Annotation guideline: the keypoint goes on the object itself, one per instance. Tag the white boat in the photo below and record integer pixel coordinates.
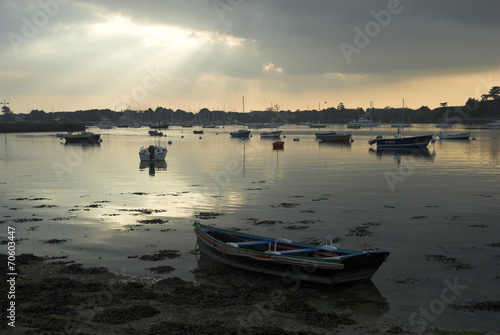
(402, 124)
(317, 125)
(153, 153)
(104, 126)
(271, 134)
(494, 124)
(460, 136)
(361, 122)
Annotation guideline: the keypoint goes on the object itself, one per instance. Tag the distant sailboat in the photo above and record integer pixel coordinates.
(402, 124)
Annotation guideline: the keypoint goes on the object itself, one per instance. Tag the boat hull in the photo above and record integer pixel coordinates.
(333, 137)
(89, 139)
(240, 134)
(401, 125)
(354, 268)
(407, 142)
(271, 134)
(156, 153)
(461, 136)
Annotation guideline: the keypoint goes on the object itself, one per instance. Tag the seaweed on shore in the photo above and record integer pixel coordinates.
(207, 215)
(160, 255)
(450, 262)
(153, 221)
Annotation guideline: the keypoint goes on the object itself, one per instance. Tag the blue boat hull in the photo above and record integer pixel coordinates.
(287, 264)
(240, 134)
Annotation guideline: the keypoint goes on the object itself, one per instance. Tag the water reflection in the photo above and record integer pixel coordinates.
(83, 145)
(336, 145)
(153, 166)
(361, 297)
(404, 153)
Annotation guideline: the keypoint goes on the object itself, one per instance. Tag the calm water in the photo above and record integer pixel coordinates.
(440, 202)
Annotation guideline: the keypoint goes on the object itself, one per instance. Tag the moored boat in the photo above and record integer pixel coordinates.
(155, 133)
(317, 125)
(279, 145)
(361, 122)
(401, 124)
(281, 257)
(153, 153)
(83, 137)
(400, 141)
(494, 124)
(333, 136)
(198, 131)
(271, 134)
(160, 126)
(444, 125)
(458, 136)
(242, 133)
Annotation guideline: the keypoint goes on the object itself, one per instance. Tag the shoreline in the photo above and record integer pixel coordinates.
(67, 298)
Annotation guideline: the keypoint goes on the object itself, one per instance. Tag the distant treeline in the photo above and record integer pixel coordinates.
(474, 111)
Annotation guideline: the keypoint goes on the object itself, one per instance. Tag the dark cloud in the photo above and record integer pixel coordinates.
(296, 40)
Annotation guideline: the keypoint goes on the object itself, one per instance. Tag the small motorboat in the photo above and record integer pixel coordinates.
(333, 136)
(153, 153)
(402, 141)
(241, 133)
(459, 136)
(198, 131)
(83, 137)
(281, 257)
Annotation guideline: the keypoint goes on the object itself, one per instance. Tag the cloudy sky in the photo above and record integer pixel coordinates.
(298, 54)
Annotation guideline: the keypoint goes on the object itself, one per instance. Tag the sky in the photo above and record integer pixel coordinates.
(66, 55)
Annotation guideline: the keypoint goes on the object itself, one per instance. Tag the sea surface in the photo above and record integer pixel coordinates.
(436, 210)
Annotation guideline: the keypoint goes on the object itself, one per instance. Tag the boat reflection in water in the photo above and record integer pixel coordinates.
(399, 153)
(153, 166)
(335, 144)
(361, 296)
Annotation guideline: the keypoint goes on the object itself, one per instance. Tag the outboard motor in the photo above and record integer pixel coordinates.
(151, 150)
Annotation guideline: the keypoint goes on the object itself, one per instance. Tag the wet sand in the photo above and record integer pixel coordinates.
(67, 298)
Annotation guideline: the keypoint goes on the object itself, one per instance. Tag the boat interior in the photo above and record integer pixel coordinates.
(279, 246)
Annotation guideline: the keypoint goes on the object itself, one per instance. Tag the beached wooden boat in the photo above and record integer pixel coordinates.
(282, 257)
